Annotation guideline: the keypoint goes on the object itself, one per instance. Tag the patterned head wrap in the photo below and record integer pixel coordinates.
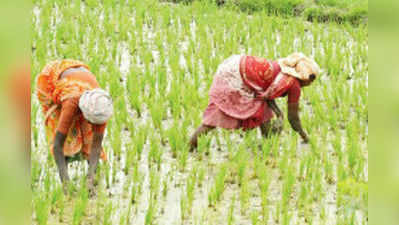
(300, 66)
(96, 106)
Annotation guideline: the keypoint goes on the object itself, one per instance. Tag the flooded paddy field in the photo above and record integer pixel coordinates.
(157, 60)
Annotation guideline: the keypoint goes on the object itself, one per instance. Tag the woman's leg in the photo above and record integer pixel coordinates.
(203, 129)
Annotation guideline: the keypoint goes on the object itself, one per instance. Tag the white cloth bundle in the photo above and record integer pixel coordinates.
(300, 66)
(96, 106)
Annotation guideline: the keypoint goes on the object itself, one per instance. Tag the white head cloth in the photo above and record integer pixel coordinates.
(96, 106)
(300, 66)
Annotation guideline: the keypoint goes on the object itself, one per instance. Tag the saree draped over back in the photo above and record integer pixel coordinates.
(51, 92)
(238, 81)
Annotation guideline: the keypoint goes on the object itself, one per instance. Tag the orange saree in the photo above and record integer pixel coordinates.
(51, 92)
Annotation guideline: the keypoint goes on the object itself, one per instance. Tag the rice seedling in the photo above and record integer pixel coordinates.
(219, 185)
(107, 214)
(150, 214)
(244, 196)
(230, 218)
(158, 60)
(254, 218)
(80, 207)
(41, 208)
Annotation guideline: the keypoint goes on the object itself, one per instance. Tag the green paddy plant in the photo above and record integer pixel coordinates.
(158, 112)
(323, 215)
(284, 164)
(165, 187)
(140, 140)
(155, 153)
(201, 175)
(150, 214)
(107, 214)
(230, 217)
(107, 171)
(155, 182)
(137, 176)
(242, 161)
(80, 206)
(55, 196)
(275, 147)
(308, 216)
(128, 214)
(302, 196)
(288, 188)
(244, 195)
(204, 145)
(34, 110)
(123, 219)
(218, 187)
(190, 188)
(286, 218)
(328, 169)
(302, 169)
(47, 181)
(183, 206)
(174, 98)
(115, 167)
(318, 192)
(266, 147)
(60, 204)
(174, 138)
(162, 82)
(131, 157)
(134, 193)
(116, 142)
(41, 207)
(255, 218)
(277, 213)
(263, 185)
(182, 158)
(127, 183)
(35, 172)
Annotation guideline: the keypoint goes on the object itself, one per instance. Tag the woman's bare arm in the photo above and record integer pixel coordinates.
(272, 104)
(293, 118)
(69, 108)
(59, 156)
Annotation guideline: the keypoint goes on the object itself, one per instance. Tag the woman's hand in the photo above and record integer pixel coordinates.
(94, 157)
(272, 104)
(293, 118)
(58, 151)
(305, 137)
(277, 126)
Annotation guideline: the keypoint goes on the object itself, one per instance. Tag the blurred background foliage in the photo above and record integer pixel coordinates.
(339, 11)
